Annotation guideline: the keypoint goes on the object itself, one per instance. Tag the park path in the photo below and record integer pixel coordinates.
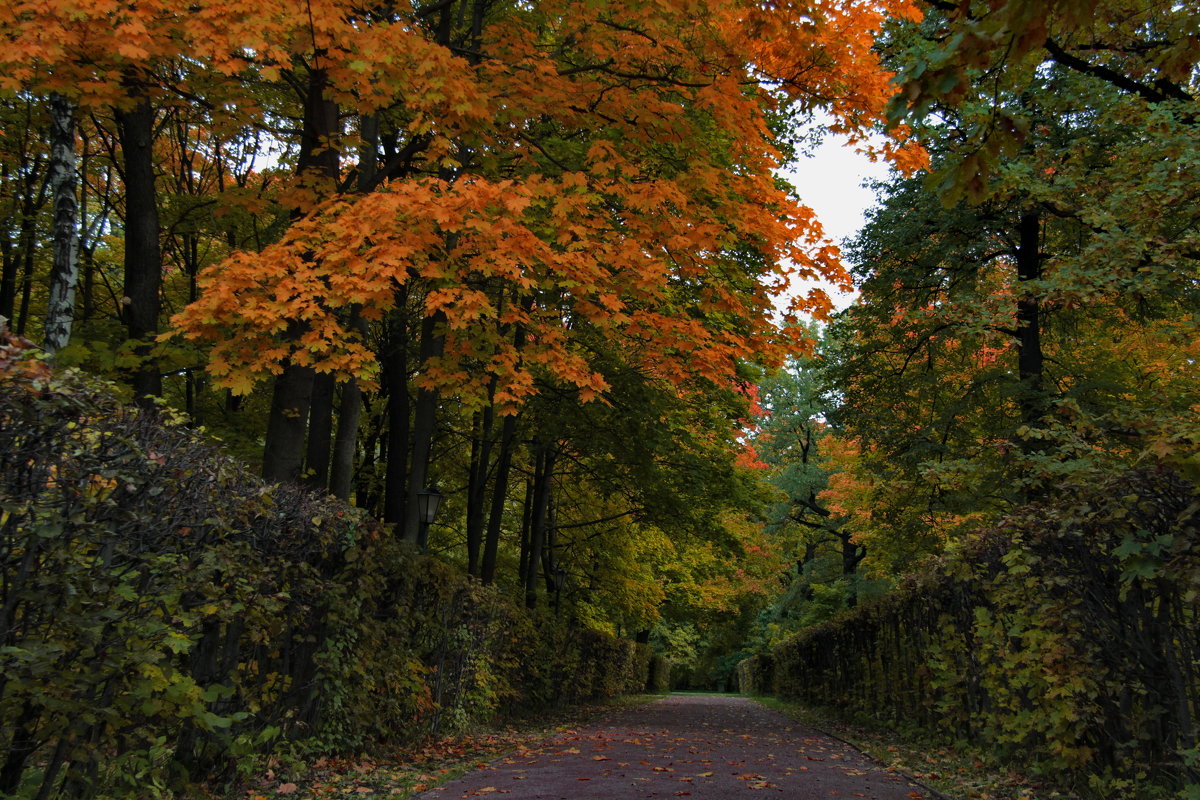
(707, 747)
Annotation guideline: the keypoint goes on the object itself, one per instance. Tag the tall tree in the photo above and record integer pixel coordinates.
(64, 274)
(143, 252)
(993, 294)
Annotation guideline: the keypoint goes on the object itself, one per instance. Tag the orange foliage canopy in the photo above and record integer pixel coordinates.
(604, 167)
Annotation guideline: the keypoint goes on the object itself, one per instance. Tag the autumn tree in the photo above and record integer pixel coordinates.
(99, 58)
(495, 241)
(1009, 305)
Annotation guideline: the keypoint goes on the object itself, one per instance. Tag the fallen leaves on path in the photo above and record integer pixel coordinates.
(404, 772)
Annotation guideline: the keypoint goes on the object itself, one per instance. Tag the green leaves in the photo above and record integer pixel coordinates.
(1034, 639)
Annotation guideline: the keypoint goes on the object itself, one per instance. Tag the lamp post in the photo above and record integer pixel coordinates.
(428, 500)
(559, 577)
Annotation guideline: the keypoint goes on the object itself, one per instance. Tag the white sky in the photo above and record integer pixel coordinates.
(829, 181)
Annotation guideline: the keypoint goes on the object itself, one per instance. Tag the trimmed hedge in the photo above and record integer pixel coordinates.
(164, 614)
(1067, 638)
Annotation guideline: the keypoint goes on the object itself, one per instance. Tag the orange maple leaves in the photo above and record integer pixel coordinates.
(607, 170)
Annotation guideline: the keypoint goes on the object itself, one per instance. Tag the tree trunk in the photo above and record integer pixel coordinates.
(341, 470)
(424, 423)
(1029, 336)
(526, 517)
(143, 257)
(320, 431)
(341, 473)
(550, 548)
(543, 471)
(481, 456)
(491, 542)
(16, 274)
(86, 236)
(28, 249)
(8, 264)
(317, 166)
(398, 407)
(283, 453)
(852, 555)
(64, 273)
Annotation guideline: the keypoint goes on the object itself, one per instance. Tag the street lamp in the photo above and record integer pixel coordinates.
(428, 500)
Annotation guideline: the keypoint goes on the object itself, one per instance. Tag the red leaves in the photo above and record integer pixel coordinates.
(16, 360)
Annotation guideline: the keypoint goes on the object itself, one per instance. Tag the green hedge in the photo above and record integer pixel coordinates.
(1067, 639)
(165, 614)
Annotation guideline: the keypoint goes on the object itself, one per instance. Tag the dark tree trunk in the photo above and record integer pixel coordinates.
(8, 263)
(481, 455)
(423, 427)
(86, 245)
(28, 249)
(491, 541)
(64, 272)
(852, 555)
(16, 258)
(526, 517)
(283, 453)
(320, 431)
(550, 547)
(368, 489)
(143, 257)
(341, 470)
(319, 164)
(341, 473)
(345, 441)
(1029, 335)
(543, 471)
(398, 407)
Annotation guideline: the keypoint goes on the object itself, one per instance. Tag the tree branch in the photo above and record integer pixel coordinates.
(1161, 91)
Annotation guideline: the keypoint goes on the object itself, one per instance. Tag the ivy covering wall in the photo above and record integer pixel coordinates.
(163, 613)
(1066, 639)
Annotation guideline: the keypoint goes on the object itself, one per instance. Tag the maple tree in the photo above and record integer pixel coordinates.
(492, 247)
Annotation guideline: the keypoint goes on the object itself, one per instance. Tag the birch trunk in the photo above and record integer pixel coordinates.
(64, 178)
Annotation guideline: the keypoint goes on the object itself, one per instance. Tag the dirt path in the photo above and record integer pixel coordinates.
(708, 747)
